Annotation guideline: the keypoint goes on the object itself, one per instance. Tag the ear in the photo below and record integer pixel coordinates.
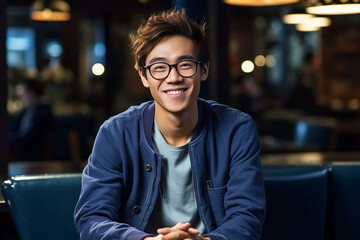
(143, 78)
(205, 71)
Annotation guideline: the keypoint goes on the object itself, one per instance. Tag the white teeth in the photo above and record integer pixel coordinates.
(175, 91)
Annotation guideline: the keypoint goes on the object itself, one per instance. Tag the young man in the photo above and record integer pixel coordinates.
(178, 167)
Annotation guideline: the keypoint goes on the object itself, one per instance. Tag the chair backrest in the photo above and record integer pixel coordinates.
(344, 202)
(296, 202)
(42, 206)
(315, 130)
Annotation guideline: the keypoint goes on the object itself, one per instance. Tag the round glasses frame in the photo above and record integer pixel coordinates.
(171, 66)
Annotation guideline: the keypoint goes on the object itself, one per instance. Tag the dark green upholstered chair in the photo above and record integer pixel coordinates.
(315, 131)
(42, 206)
(344, 202)
(296, 202)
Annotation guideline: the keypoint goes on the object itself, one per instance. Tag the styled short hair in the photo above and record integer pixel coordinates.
(168, 23)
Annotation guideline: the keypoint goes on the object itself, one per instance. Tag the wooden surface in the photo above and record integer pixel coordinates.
(311, 158)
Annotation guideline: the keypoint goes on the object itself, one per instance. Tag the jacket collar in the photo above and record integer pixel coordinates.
(149, 114)
(148, 121)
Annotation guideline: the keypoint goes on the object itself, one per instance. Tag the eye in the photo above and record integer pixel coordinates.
(159, 67)
(186, 65)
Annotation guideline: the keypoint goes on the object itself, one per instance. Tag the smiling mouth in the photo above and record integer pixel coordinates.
(173, 92)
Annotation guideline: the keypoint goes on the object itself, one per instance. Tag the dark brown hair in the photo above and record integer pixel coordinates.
(168, 23)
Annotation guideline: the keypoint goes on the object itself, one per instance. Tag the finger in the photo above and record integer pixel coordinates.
(164, 230)
(168, 230)
(176, 235)
(179, 224)
(193, 231)
(183, 226)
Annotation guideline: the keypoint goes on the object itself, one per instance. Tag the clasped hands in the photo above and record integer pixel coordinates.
(181, 231)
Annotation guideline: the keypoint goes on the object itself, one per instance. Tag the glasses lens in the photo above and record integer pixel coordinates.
(186, 68)
(159, 70)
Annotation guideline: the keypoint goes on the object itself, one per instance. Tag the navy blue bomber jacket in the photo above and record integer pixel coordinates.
(120, 183)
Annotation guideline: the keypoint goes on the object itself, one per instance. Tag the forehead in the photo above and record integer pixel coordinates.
(172, 48)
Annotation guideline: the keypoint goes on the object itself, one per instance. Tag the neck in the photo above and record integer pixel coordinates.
(177, 128)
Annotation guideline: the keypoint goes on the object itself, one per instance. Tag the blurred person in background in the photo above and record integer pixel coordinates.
(97, 100)
(29, 131)
(57, 80)
(303, 96)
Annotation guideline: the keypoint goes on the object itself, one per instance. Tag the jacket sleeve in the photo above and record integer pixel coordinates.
(244, 200)
(97, 211)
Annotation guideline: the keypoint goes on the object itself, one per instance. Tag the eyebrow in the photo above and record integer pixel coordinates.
(183, 57)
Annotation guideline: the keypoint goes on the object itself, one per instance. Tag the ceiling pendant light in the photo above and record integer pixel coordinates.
(50, 10)
(306, 28)
(259, 2)
(296, 14)
(313, 24)
(296, 18)
(333, 7)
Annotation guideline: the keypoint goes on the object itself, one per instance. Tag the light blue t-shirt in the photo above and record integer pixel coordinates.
(176, 201)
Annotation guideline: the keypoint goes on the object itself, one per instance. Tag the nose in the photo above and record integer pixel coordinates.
(174, 76)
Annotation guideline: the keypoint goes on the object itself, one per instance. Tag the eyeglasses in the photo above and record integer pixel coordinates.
(161, 70)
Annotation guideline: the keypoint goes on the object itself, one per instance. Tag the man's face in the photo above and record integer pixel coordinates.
(175, 93)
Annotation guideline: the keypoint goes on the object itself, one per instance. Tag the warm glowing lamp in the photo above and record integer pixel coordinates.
(313, 24)
(319, 22)
(333, 7)
(50, 10)
(247, 66)
(306, 28)
(296, 18)
(260, 60)
(98, 69)
(259, 2)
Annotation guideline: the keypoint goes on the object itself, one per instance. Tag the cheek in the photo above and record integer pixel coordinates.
(152, 84)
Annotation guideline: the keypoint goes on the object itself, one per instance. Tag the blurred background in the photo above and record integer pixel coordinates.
(66, 66)
(300, 82)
